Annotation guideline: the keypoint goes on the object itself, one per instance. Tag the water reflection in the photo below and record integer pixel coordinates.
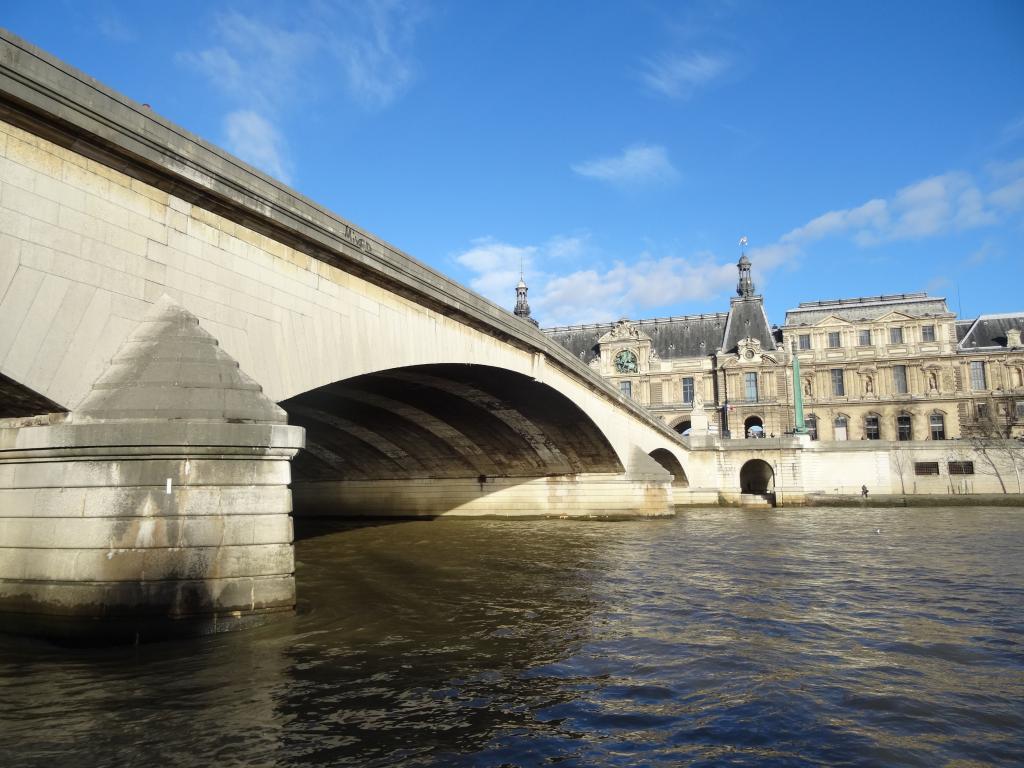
(748, 638)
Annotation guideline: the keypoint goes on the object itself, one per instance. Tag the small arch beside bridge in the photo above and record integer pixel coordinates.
(757, 476)
(668, 460)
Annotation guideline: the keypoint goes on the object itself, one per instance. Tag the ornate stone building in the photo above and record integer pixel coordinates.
(990, 372)
(898, 367)
(877, 368)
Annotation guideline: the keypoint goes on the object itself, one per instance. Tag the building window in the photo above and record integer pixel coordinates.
(1018, 410)
(804, 340)
(688, 389)
(903, 431)
(895, 335)
(864, 339)
(961, 467)
(872, 430)
(839, 427)
(927, 333)
(982, 409)
(833, 340)
(926, 467)
(938, 426)
(811, 422)
(750, 387)
(977, 375)
(899, 379)
(838, 388)
(626, 388)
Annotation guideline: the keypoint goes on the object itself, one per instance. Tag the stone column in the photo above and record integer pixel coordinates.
(160, 505)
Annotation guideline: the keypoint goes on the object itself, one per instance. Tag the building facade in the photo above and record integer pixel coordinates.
(897, 367)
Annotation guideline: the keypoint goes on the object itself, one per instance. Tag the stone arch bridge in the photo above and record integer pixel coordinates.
(170, 318)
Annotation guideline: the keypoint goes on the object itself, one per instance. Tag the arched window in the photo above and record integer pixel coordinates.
(903, 427)
(839, 427)
(811, 422)
(937, 422)
(872, 427)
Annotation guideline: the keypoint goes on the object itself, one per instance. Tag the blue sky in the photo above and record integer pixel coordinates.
(619, 150)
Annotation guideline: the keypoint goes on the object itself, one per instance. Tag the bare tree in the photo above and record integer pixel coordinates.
(991, 442)
(901, 461)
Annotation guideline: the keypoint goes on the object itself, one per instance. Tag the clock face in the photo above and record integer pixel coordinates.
(749, 354)
(625, 362)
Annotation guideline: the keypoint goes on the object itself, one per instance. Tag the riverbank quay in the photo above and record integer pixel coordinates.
(888, 500)
(914, 500)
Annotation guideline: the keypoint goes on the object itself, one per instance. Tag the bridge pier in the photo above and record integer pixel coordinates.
(160, 505)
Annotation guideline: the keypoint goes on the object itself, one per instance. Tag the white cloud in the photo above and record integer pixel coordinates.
(633, 290)
(1009, 196)
(363, 45)
(373, 48)
(678, 76)
(487, 254)
(930, 207)
(255, 63)
(254, 139)
(986, 252)
(564, 292)
(938, 205)
(114, 27)
(269, 67)
(641, 163)
(871, 214)
(496, 267)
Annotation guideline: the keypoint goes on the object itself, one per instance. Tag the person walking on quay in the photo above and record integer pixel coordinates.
(864, 491)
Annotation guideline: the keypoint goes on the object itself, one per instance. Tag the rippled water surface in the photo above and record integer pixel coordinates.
(723, 637)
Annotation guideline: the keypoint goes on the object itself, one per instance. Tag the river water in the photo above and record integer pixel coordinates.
(722, 637)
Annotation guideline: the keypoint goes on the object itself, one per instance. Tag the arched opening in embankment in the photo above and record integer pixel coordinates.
(439, 439)
(757, 476)
(668, 460)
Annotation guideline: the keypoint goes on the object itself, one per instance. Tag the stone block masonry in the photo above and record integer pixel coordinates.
(163, 499)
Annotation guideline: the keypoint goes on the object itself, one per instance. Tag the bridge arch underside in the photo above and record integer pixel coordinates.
(451, 439)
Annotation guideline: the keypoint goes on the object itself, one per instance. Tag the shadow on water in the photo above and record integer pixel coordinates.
(313, 527)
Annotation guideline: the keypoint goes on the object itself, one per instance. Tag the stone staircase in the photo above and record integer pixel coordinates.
(757, 500)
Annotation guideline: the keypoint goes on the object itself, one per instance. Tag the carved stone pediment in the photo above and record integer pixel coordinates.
(749, 351)
(624, 330)
(625, 350)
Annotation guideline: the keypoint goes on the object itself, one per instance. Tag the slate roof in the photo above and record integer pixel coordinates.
(867, 308)
(989, 331)
(747, 319)
(962, 327)
(683, 336)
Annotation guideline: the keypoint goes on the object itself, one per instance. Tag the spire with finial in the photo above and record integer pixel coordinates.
(522, 305)
(745, 286)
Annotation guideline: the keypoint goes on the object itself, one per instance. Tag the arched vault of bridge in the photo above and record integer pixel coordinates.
(444, 421)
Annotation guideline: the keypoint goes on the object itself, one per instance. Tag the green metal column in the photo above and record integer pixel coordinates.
(798, 396)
